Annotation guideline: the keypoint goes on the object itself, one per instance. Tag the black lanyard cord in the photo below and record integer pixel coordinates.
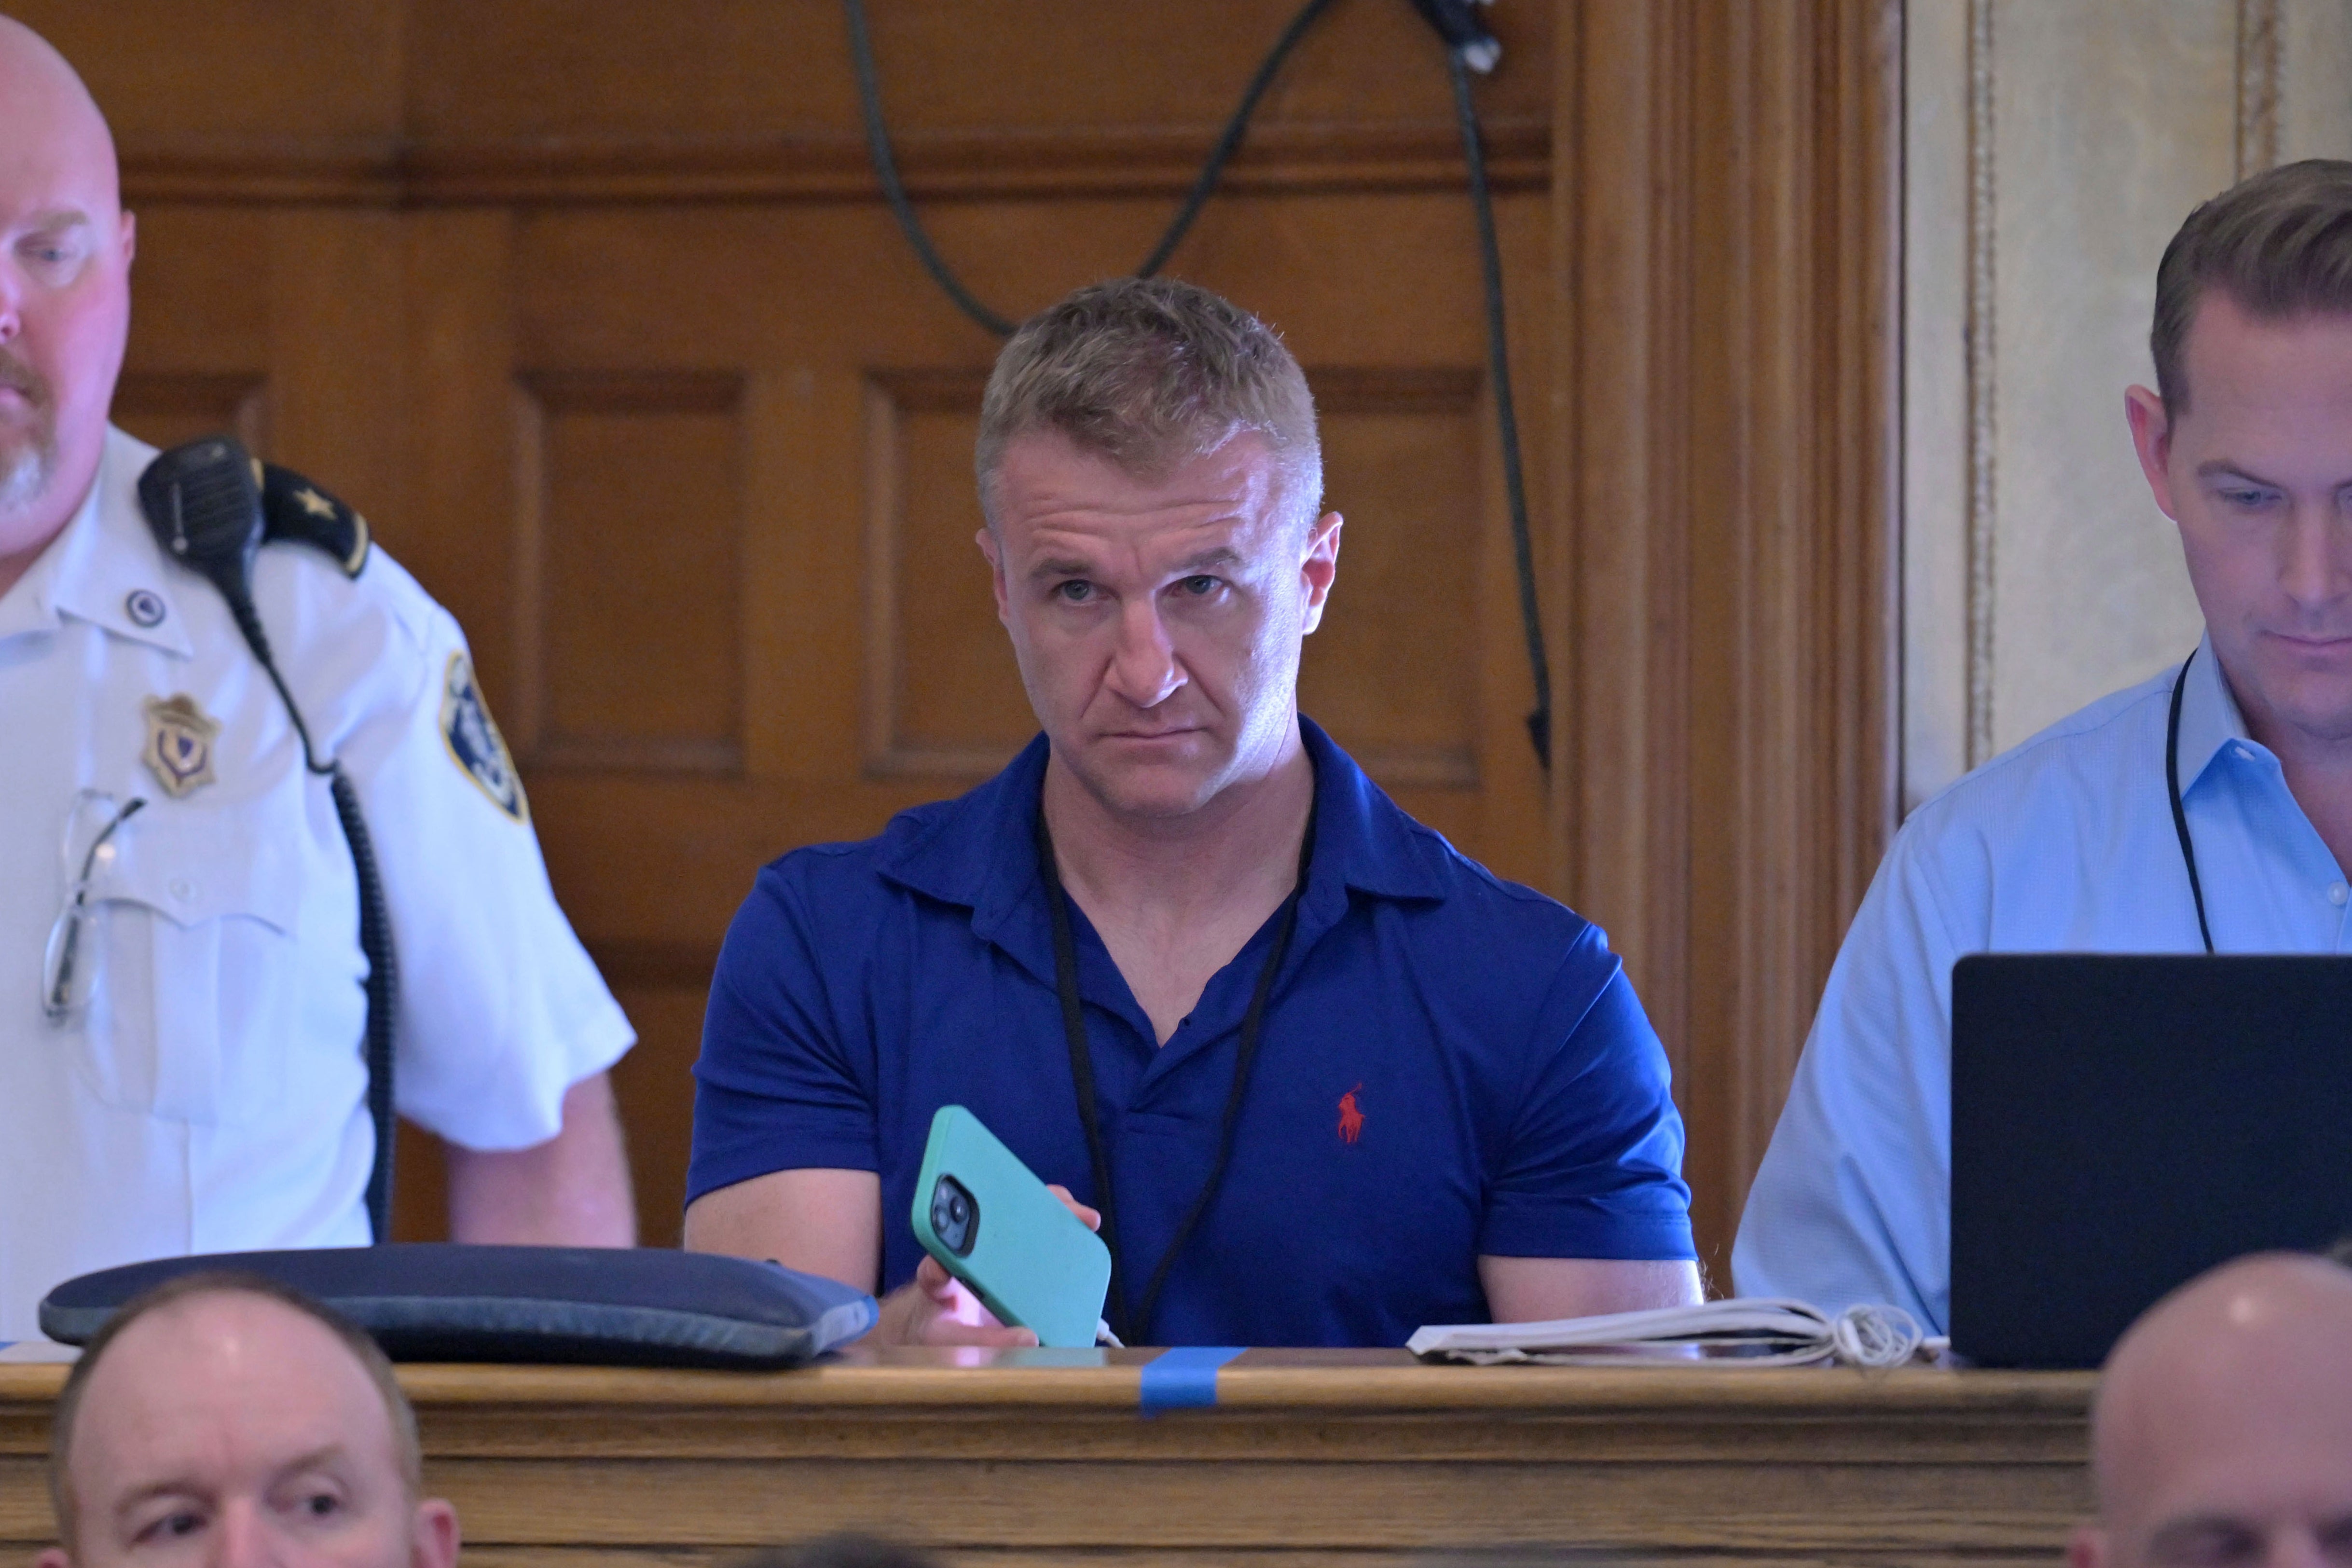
(1130, 1326)
(1082, 1065)
(2179, 813)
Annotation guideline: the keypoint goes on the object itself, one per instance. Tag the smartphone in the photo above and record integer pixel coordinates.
(992, 1225)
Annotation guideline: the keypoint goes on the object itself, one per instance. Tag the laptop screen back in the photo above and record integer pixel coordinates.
(2122, 1123)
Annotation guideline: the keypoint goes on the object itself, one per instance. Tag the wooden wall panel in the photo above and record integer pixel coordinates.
(739, 98)
(655, 1082)
(199, 355)
(230, 81)
(713, 68)
(466, 484)
(630, 526)
(942, 696)
(866, 612)
(1729, 780)
(587, 306)
(165, 408)
(1401, 463)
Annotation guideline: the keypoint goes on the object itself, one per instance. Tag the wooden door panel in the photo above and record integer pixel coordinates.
(631, 519)
(709, 70)
(942, 697)
(1398, 679)
(697, 481)
(198, 360)
(368, 263)
(655, 1085)
(716, 558)
(165, 408)
(822, 510)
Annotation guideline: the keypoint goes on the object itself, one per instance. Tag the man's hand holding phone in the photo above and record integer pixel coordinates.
(937, 1309)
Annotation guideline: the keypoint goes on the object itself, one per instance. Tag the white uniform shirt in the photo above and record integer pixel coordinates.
(2065, 845)
(212, 1095)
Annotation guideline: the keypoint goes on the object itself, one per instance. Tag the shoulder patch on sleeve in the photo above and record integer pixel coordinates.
(473, 742)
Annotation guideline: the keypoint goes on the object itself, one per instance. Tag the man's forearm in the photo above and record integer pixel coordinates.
(570, 1191)
(1540, 1289)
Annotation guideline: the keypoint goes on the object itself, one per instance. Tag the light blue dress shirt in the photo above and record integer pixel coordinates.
(2065, 845)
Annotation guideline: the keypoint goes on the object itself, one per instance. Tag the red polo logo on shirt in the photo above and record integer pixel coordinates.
(1351, 1116)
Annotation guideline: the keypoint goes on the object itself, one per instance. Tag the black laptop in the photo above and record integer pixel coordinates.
(2121, 1124)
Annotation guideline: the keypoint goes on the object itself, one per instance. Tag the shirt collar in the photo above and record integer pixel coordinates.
(1362, 839)
(2209, 719)
(982, 851)
(104, 566)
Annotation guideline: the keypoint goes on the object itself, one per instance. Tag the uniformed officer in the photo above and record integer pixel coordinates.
(181, 1002)
(2208, 808)
(1325, 1078)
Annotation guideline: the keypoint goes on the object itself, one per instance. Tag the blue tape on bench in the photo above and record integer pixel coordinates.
(1184, 1378)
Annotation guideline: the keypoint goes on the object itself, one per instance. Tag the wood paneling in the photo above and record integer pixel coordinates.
(629, 534)
(653, 1082)
(229, 78)
(1401, 454)
(166, 408)
(436, 101)
(1729, 192)
(592, 308)
(874, 673)
(1305, 1459)
(942, 697)
(528, 69)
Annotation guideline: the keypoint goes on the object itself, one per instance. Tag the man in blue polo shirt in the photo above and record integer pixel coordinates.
(1324, 1079)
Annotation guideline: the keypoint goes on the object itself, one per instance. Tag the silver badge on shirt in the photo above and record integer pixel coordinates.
(179, 749)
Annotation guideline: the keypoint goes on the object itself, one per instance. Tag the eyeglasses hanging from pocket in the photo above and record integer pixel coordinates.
(88, 851)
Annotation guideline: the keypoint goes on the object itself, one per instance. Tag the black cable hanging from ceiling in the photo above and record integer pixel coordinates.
(1507, 418)
(894, 188)
(1469, 46)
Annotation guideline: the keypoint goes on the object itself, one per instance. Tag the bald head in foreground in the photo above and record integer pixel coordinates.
(2222, 1433)
(222, 1423)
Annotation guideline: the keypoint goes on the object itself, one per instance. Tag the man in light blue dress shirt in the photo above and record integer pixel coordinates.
(2068, 842)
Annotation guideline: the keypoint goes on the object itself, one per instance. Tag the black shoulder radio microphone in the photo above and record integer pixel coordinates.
(212, 507)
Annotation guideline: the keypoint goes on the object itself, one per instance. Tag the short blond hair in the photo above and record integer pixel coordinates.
(1149, 371)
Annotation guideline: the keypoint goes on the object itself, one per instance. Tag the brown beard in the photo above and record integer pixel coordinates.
(29, 456)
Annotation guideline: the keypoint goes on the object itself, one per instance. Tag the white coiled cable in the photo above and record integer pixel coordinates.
(1875, 1337)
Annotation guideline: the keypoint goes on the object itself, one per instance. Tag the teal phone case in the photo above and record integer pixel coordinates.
(1031, 1261)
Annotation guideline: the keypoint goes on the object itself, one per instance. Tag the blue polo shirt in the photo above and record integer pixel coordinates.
(1450, 1064)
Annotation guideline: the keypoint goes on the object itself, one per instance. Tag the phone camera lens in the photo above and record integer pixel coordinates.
(955, 1217)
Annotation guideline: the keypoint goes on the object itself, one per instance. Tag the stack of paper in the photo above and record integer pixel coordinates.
(1759, 1332)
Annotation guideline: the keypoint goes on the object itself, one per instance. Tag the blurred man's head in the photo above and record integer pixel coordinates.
(65, 293)
(2222, 1433)
(1150, 469)
(2247, 438)
(222, 1422)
